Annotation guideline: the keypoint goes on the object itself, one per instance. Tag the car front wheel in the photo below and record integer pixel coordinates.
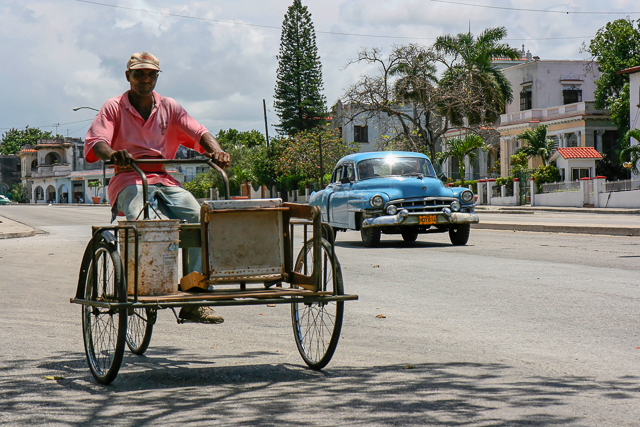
(370, 236)
(459, 234)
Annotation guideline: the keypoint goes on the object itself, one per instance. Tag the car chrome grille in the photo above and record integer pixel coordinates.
(426, 204)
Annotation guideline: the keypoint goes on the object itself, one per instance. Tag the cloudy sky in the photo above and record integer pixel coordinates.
(219, 57)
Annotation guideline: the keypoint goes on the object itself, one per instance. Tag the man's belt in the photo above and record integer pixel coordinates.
(145, 167)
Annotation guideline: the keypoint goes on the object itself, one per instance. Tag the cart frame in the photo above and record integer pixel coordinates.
(102, 286)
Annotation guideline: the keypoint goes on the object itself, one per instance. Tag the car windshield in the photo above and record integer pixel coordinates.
(395, 166)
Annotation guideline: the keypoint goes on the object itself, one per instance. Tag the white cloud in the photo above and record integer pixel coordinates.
(58, 55)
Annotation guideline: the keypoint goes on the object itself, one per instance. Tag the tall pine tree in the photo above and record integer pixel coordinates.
(299, 101)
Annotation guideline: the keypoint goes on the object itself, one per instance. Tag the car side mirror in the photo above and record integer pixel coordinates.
(345, 180)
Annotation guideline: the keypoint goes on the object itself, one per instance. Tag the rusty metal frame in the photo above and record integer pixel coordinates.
(293, 214)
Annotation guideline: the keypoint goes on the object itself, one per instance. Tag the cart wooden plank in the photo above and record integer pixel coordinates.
(230, 294)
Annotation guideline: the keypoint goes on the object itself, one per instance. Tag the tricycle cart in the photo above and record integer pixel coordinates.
(246, 250)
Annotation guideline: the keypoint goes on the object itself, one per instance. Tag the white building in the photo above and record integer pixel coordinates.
(559, 94)
(634, 102)
(574, 163)
(54, 171)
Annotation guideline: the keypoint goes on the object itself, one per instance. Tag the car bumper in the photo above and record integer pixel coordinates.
(405, 218)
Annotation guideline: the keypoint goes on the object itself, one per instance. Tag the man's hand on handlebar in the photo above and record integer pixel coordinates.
(220, 158)
(121, 158)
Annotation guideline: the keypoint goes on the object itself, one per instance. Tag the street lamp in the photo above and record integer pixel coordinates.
(90, 108)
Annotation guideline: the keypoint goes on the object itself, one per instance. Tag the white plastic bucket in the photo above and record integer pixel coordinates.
(157, 256)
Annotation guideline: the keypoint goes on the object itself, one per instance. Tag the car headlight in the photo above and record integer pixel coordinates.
(455, 206)
(392, 210)
(466, 196)
(377, 201)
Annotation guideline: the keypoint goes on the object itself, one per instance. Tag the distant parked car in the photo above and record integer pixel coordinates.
(4, 200)
(394, 192)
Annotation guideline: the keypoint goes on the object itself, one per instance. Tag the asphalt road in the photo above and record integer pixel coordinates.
(516, 328)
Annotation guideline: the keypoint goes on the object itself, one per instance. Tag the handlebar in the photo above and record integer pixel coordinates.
(143, 176)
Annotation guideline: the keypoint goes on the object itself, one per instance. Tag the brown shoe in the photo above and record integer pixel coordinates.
(199, 315)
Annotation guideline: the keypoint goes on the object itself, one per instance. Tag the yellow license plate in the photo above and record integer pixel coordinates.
(426, 219)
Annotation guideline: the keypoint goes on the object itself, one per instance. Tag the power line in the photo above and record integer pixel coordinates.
(564, 12)
(53, 125)
(175, 15)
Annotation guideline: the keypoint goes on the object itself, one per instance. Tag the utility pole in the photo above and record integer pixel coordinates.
(321, 166)
(266, 127)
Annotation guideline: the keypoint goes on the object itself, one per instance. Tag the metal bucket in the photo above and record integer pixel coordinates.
(157, 256)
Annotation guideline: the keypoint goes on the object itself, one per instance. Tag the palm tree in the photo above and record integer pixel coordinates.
(632, 152)
(461, 149)
(537, 143)
(488, 90)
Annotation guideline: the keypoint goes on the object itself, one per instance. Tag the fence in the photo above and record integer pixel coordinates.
(555, 187)
(492, 194)
(624, 185)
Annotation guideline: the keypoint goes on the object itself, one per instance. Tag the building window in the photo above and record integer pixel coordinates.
(525, 100)
(361, 133)
(572, 95)
(577, 173)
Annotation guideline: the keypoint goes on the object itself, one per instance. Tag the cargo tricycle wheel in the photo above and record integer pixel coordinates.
(316, 326)
(104, 328)
(139, 328)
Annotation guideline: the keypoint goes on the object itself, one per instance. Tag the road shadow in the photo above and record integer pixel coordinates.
(395, 244)
(169, 387)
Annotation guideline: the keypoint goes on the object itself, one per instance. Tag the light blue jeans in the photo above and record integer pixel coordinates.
(173, 202)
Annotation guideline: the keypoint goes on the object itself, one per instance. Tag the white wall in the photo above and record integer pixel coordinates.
(567, 165)
(560, 199)
(634, 110)
(620, 199)
(546, 75)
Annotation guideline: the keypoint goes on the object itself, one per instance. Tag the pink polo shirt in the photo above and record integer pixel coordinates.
(121, 126)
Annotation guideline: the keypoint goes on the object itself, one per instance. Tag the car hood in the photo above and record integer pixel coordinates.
(405, 187)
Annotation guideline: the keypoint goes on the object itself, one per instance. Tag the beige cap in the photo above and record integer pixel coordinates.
(143, 60)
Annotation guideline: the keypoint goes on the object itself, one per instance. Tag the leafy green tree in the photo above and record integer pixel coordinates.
(537, 143)
(298, 93)
(468, 58)
(14, 139)
(545, 174)
(19, 193)
(265, 162)
(199, 185)
(631, 153)
(403, 95)
(301, 157)
(242, 148)
(519, 161)
(461, 149)
(233, 138)
(615, 47)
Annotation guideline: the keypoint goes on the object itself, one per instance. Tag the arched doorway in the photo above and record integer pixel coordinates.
(51, 194)
(39, 193)
(52, 158)
(63, 194)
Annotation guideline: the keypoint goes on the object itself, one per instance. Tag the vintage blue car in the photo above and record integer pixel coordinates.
(394, 192)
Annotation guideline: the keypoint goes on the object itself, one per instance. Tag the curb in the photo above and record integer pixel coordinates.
(17, 235)
(607, 231)
(548, 209)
